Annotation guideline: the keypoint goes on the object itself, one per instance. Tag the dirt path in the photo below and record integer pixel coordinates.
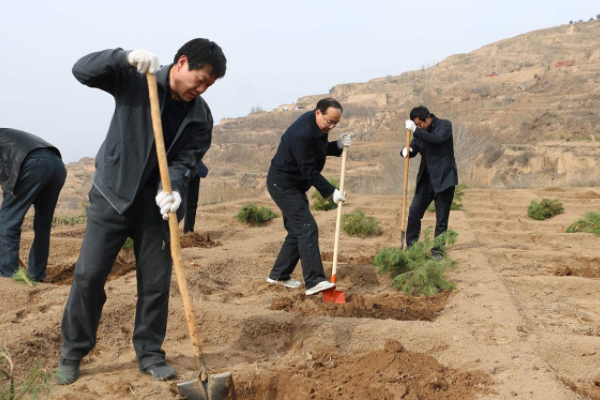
(518, 326)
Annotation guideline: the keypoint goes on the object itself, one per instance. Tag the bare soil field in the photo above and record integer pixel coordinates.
(524, 321)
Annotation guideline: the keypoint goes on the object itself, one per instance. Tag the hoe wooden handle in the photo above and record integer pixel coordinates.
(404, 204)
(173, 223)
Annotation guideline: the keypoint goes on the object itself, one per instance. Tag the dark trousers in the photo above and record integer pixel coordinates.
(105, 233)
(302, 240)
(42, 176)
(191, 205)
(423, 198)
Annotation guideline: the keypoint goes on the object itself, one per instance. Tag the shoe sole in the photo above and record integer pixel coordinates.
(319, 291)
(159, 379)
(272, 281)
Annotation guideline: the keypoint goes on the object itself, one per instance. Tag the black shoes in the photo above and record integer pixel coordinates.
(67, 371)
(160, 372)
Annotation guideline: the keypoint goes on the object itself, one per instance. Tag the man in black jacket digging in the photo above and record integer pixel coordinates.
(123, 197)
(296, 167)
(31, 173)
(437, 177)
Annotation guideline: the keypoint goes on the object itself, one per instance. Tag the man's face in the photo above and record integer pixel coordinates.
(423, 124)
(328, 120)
(186, 85)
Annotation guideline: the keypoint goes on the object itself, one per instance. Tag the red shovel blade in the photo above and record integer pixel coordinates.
(332, 295)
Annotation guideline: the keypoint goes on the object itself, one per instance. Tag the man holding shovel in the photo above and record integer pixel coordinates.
(126, 190)
(296, 167)
(438, 175)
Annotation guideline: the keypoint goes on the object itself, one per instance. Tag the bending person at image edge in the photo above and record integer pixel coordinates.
(126, 191)
(438, 175)
(31, 173)
(296, 167)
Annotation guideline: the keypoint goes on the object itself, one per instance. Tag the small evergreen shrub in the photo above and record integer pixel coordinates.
(321, 204)
(128, 243)
(22, 276)
(359, 224)
(588, 224)
(36, 384)
(545, 209)
(456, 202)
(252, 215)
(414, 270)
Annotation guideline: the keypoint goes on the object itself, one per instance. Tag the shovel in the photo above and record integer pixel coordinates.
(403, 220)
(205, 387)
(332, 295)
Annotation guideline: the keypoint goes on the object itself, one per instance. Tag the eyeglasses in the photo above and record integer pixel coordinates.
(329, 123)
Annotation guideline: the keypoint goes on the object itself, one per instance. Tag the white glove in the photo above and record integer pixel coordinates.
(338, 196)
(404, 152)
(344, 140)
(168, 202)
(144, 61)
(410, 125)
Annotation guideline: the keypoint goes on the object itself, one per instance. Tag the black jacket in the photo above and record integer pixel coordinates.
(436, 147)
(127, 149)
(15, 145)
(301, 155)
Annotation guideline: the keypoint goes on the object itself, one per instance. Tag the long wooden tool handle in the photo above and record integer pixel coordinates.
(338, 219)
(406, 163)
(173, 223)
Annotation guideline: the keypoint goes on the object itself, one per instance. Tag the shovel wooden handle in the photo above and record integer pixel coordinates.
(404, 203)
(338, 219)
(173, 223)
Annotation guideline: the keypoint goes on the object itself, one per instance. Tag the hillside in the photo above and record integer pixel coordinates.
(534, 122)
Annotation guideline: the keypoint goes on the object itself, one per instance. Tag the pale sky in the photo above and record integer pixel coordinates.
(277, 51)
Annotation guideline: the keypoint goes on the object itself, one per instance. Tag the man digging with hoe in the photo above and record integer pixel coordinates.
(437, 177)
(124, 197)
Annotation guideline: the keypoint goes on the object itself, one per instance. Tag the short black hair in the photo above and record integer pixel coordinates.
(201, 52)
(420, 112)
(324, 104)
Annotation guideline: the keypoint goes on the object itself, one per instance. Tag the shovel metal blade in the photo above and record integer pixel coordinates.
(333, 296)
(218, 387)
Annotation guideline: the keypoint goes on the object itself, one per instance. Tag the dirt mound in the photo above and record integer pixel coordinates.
(328, 256)
(388, 374)
(399, 307)
(589, 391)
(62, 274)
(585, 272)
(193, 239)
(589, 195)
(553, 189)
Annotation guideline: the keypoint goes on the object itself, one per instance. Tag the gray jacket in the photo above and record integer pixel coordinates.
(126, 151)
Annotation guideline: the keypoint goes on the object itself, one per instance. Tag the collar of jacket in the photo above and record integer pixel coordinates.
(313, 123)
(162, 76)
(434, 123)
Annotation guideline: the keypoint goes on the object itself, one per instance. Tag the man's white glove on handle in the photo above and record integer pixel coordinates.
(404, 152)
(344, 141)
(410, 125)
(338, 196)
(143, 61)
(168, 202)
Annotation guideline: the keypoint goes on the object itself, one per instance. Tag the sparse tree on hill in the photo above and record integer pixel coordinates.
(256, 109)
